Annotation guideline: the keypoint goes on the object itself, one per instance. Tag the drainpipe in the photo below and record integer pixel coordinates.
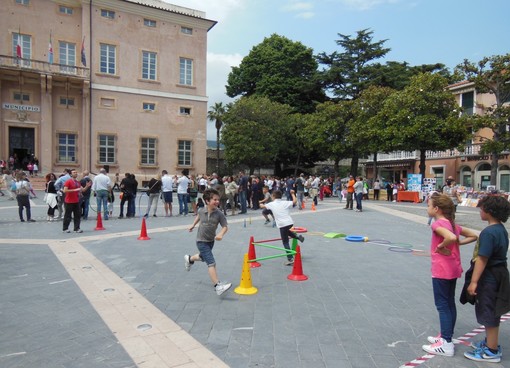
(90, 86)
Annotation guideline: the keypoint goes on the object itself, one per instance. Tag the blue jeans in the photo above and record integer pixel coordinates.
(183, 203)
(358, 196)
(242, 200)
(131, 208)
(205, 249)
(102, 202)
(300, 199)
(444, 299)
(85, 206)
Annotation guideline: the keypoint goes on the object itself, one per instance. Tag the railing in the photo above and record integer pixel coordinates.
(15, 63)
(473, 149)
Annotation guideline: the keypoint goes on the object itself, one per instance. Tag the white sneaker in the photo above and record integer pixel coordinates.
(434, 339)
(222, 287)
(187, 262)
(441, 347)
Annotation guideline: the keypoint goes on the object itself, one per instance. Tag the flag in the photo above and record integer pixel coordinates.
(19, 52)
(50, 52)
(83, 59)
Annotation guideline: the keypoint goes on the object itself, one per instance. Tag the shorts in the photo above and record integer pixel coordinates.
(485, 307)
(168, 197)
(267, 212)
(205, 249)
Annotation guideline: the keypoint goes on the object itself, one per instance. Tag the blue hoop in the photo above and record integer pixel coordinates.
(355, 238)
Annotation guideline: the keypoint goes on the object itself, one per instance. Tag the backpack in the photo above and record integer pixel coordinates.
(23, 190)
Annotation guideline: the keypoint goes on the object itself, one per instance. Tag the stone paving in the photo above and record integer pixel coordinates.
(107, 299)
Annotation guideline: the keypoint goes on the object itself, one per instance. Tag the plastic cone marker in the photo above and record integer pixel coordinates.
(297, 269)
(143, 231)
(99, 223)
(252, 255)
(245, 287)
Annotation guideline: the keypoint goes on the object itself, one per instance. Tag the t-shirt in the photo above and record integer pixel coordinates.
(493, 244)
(182, 185)
(445, 267)
(281, 212)
(209, 223)
(74, 196)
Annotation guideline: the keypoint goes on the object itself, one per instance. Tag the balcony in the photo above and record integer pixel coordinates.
(473, 149)
(13, 63)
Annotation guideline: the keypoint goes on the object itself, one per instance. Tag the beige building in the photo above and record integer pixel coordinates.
(123, 85)
(468, 167)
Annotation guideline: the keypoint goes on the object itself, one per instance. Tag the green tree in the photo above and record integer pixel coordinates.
(424, 116)
(281, 70)
(348, 73)
(215, 114)
(492, 75)
(252, 132)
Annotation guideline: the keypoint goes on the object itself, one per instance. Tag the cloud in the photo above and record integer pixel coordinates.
(301, 9)
(217, 10)
(367, 4)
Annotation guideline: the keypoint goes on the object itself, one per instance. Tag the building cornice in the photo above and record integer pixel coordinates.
(146, 92)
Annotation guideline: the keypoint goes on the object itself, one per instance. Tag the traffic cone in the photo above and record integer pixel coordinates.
(99, 223)
(313, 206)
(252, 255)
(297, 269)
(303, 206)
(143, 232)
(245, 287)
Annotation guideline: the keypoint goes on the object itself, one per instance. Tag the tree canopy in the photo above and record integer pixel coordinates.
(281, 70)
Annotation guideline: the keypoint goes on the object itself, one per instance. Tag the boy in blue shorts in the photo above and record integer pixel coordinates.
(209, 218)
(490, 281)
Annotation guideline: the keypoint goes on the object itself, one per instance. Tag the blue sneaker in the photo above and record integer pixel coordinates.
(483, 343)
(483, 355)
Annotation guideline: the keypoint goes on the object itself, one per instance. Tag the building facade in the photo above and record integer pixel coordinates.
(88, 84)
(468, 167)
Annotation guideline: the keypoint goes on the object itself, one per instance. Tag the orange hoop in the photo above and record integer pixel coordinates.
(297, 229)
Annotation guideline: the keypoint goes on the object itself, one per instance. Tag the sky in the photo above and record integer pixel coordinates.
(417, 31)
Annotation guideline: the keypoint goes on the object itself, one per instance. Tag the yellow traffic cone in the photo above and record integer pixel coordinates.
(245, 287)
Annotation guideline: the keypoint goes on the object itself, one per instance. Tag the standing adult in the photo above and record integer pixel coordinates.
(51, 196)
(85, 198)
(22, 195)
(450, 190)
(389, 191)
(59, 186)
(133, 188)
(153, 192)
(124, 194)
(72, 191)
(377, 189)
(243, 191)
(358, 193)
(350, 193)
(300, 190)
(101, 187)
(182, 192)
(230, 191)
(314, 188)
(167, 187)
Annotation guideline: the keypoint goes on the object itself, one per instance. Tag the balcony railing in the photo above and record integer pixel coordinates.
(15, 63)
(473, 149)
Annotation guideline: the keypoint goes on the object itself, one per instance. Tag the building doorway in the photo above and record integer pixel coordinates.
(21, 146)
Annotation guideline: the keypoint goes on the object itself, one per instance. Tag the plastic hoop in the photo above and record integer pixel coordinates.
(400, 249)
(297, 229)
(355, 238)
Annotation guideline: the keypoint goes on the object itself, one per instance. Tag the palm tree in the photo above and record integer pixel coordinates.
(216, 113)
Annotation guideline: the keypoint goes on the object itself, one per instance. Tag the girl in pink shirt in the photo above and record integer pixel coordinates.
(446, 268)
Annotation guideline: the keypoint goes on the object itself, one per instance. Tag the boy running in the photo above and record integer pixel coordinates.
(209, 217)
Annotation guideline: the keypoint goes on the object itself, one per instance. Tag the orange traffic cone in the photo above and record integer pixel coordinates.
(313, 206)
(252, 255)
(99, 223)
(245, 287)
(297, 269)
(303, 205)
(143, 232)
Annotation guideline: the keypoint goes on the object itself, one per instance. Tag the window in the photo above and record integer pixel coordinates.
(149, 60)
(66, 147)
(149, 106)
(110, 14)
(149, 22)
(185, 110)
(107, 59)
(23, 2)
(184, 153)
(18, 96)
(148, 151)
(468, 102)
(25, 42)
(65, 10)
(66, 101)
(187, 30)
(186, 72)
(108, 103)
(67, 57)
(106, 149)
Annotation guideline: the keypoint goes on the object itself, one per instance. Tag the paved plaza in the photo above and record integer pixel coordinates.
(104, 299)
